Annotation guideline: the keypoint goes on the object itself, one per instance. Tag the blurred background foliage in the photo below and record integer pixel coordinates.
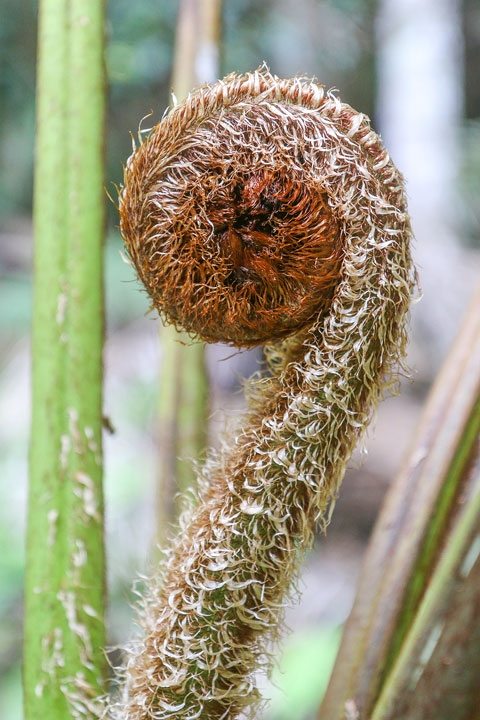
(338, 42)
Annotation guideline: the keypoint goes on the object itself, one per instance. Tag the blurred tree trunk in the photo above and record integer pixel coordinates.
(64, 662)
(183, 401)
(196, 57)
(419, 110)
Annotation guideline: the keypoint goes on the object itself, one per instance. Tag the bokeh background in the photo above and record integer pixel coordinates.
(413, 67)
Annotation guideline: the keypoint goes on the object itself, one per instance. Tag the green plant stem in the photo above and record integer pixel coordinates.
(437, 669)
(183, 406)
(64, 665)
(421, 507)
(46, 566)
(85, 328)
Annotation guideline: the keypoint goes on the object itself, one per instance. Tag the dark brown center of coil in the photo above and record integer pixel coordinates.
(234, 253)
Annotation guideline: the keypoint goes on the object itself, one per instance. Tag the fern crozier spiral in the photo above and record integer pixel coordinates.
(262, 210)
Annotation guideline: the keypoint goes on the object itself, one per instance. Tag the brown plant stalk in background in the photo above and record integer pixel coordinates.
(262, 210)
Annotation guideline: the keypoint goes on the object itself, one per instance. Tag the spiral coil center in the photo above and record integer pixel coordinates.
(232, 246)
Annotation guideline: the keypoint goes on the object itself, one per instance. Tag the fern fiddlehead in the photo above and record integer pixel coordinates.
(262, 210)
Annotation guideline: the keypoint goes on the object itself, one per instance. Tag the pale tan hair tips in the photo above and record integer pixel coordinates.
(258, 210)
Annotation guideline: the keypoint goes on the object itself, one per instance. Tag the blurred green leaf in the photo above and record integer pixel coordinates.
(302, 675)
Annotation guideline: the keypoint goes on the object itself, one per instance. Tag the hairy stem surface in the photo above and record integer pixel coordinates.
(262, 210)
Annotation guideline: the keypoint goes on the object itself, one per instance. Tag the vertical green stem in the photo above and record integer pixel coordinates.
(64, 666)
(183, 407)
(83, 397)
(44, 616)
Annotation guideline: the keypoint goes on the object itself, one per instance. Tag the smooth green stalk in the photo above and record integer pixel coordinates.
(192, 411)
(45, 622)
(83, 398)
(183, 406)
(64, 665)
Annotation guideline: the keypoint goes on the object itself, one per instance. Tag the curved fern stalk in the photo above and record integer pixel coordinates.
(405, 604)
(262, 210)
